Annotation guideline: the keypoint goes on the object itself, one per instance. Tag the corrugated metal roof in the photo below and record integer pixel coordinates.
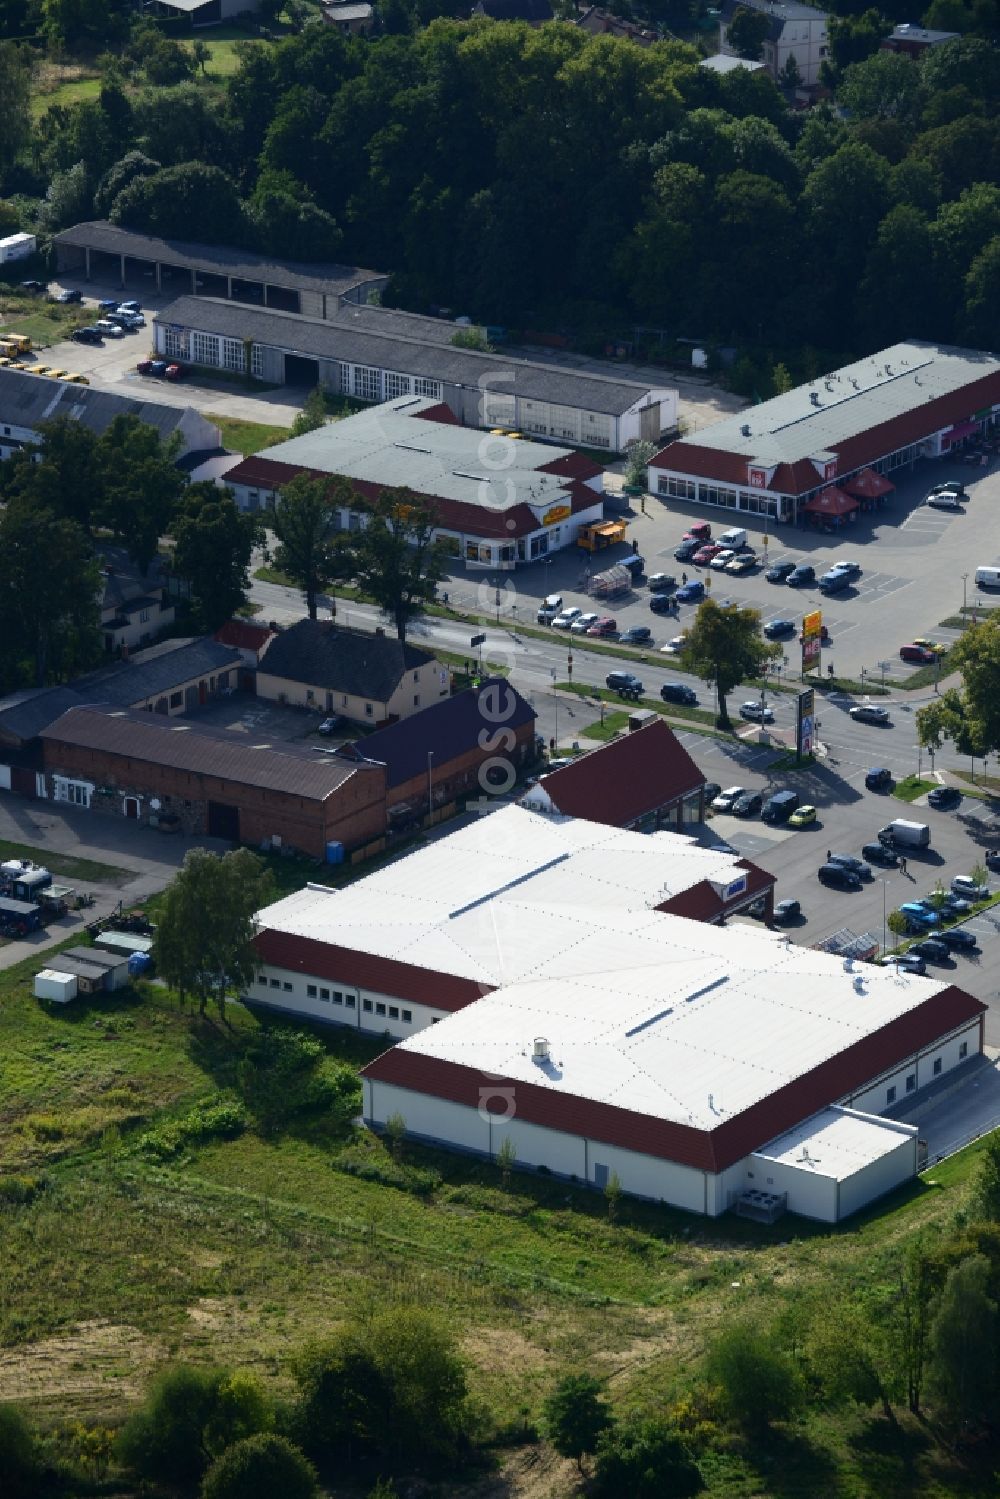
(27, 399)
(225, 260)
(445, 730)
(323, 654)
(129, 682)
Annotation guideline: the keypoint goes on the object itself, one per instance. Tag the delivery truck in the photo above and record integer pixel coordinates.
(905, 834)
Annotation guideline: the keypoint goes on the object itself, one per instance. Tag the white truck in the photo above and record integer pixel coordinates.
(906, 834)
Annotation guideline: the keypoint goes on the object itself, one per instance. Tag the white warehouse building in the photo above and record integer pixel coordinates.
(548, 997)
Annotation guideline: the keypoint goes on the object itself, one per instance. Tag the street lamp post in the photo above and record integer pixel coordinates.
(965, 579)
(430, 784)
(555, 699)
(885, 928)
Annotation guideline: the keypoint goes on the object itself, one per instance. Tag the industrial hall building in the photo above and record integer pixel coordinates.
(539, 990)
(829, 445)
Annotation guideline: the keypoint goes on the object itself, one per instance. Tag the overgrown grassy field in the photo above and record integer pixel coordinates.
(67, 865)
(246, 437)
(241, 1251)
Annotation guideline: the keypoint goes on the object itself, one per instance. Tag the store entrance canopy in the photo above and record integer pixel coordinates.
(868, 485)
(831, 501)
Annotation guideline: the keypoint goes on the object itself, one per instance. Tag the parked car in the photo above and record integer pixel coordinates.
(848, 566)
(109, 329)
(778, 629)
(834, 581)
(625, 683)
(956, 905)
(686, 550)
(661, 603)
(943, 501)
(950, 486)
(722, 558)
(748, 805)
(965, 886)
(726, 800)
(802, 817)
(636, 635)
(33, 286)
(69, 294)
(549, 608)
(86, 336)
(563, 620)
(801, 576)
(918, 915)
(699, 530)
(869, 713)
(786, 911)
(877, 853)
(675, 646)
(755, 712)
(679, 692)
(711, 791)
(838, 877)
(930, 645)
(908, 962)
(134, 319)
(690, 593)
(780, 571)
(957, 936)
(944, 796)
(992, 859)
(879, 779)
(144, 367)
(861, 869)
(583, 622)
(931, 949)
(109, 304)
(780, 806)
(705, 553)
(174, 371)
(604, 626)
(916, 653)
(330, 724)
(130, 306)
(743, 562)
(661, 582)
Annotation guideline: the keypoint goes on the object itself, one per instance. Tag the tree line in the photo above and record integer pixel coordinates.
(546, 177)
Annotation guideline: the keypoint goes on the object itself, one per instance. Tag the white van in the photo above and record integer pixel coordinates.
(733, 540)
(988, 577)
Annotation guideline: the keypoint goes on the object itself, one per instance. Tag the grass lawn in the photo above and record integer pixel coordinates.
(926, 676)
(910, 787)
(222, 43)
(66, 865)
(669, 710)
(246, 438)
(48, 323)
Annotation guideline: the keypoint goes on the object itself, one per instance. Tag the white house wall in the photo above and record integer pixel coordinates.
(879, 1177)
(874, 1097)
(360, 1009)
(810, 1192)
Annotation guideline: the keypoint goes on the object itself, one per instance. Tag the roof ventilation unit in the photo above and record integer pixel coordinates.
(745, 430)
(814, 397)
(540, 1051)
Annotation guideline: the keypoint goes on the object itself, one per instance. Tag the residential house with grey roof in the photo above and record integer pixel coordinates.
(367, 678)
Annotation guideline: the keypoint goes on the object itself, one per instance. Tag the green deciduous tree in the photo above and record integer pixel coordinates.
(395, 558)
(203, 939)
(18, 1456)
(313, 413)
(576, 1416)
(747, 33)
(852, 1355)
(49, 584)
(261, 1467)
(645, 1459)
(142, 485)
(121, 175)
(969, 715)
(202, 199)
(213, 544)
(15, 91)
(882, 87)
(757, 1382)
(985, 1193)
(189, 1416)
(63, 474)
(982, 297)
(963, 1368)
(725, 647)
(284, 1074)
(311, 548)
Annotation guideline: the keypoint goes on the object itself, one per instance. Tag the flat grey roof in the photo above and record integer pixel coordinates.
(721, 62)
(386, 445)
(406, 355)
(224, 260)
(848, 401)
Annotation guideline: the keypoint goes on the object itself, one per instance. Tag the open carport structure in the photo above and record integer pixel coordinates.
(111, 256)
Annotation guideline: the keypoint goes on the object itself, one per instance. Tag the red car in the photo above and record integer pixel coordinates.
(605, 626)
(145, 367)
(916, 653)
(173, 371)
(705, 554)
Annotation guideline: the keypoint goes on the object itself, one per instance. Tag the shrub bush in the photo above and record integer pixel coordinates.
(18, 1459)
(645, 1460)
(223, 1120)
(757, 1382)
(287, 1073)
(189, 1416)
(19, 1190)
(260, 1467)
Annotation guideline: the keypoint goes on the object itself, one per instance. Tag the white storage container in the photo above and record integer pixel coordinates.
(17, 247)
(60, 987)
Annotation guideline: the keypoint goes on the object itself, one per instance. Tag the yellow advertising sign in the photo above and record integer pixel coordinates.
(557, 513)
(812, 624)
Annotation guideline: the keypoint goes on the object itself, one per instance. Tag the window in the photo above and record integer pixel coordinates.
(416, 699)
(393, 1012)
(172, 344)
(369, 710)
(396, 385)
(681, 489)
(890, 1096)
(287, 987)
(380, 1009)
(144, 616)
(937, 1066)
(498, 409)
(275, 984)
(205, 348)
(408, 1017)
(257, 361)
(232, 355)
(311, 990)
(345, 378)
(366, 1005)
(78, 793)
(349, 1001)
(431, 388)
(338, 997)
(324, 994)
(963, 1050)
(176, 699)
(262, 979)
(911, 1082)
(416, 676)
(367, 383)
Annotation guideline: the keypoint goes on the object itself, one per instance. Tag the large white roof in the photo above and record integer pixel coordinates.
(675, 1020)
(514, 894)
(847, 402)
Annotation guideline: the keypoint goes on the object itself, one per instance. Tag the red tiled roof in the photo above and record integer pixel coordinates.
(853, 453)
(442, 413)
(243, 634)
(625, 779)
(326, 960)
(705, 1150)
(453, 515)
(701, 903)
(572, 466)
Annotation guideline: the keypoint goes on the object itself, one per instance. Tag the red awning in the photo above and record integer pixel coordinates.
(960, 430)
(830, 501)
(868, 485)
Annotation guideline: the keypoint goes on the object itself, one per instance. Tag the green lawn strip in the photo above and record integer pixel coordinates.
(614, 724)
(788, 760)
(925, 676)
(65, 95)
(67, 865)
(670, 710)
(985, 787)
(50, 323)
(848, 684)
(248, 437)
(910, 787)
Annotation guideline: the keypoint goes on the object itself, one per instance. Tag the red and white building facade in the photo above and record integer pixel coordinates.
(914, 400)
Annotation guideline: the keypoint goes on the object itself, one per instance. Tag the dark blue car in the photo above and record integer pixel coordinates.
(689, 593)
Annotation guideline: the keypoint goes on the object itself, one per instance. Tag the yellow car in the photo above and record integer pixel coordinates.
(801, 817)
(57, 374)
(40, 369)
(930, 645)
(74, 379)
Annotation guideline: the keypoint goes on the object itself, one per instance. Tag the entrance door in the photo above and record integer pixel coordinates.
(224, 821)
(132, 806)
